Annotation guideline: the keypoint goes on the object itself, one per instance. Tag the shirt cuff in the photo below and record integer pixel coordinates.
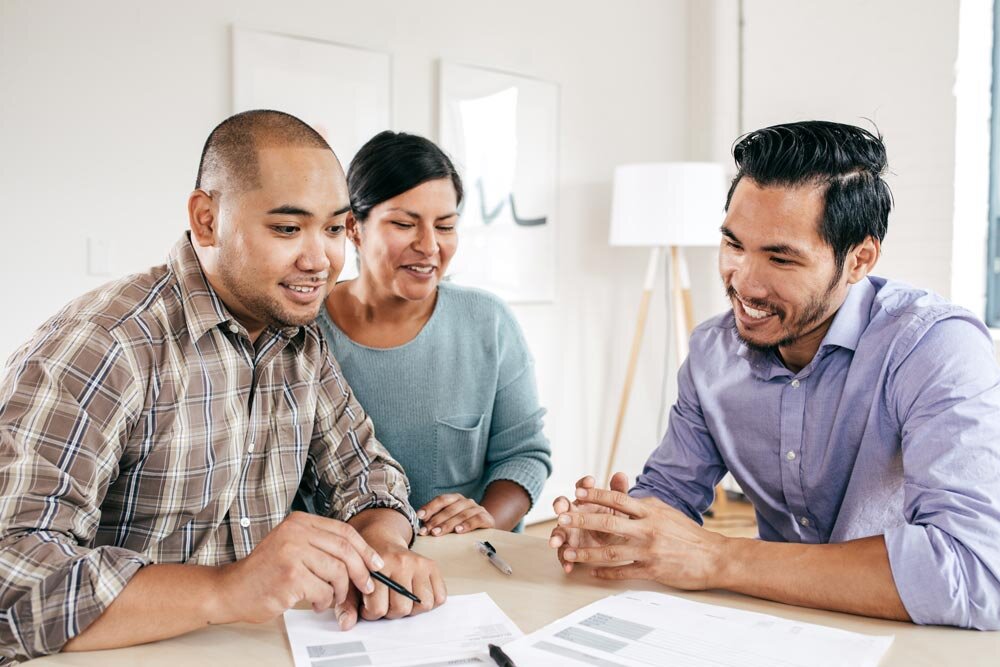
(928, 582)
(63, 603)
(529, 474)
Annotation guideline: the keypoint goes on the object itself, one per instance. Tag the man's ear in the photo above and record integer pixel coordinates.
(862, 259)
(203, 217)
(353, 228)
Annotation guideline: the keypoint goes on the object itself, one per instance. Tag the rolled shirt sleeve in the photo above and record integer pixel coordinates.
(65, 404)
(945, 559)
(351, 470)
(684, 469)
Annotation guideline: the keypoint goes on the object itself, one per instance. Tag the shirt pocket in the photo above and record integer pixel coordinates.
(459, 452)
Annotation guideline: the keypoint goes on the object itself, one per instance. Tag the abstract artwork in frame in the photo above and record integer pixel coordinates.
(502, 131)
(343, 92)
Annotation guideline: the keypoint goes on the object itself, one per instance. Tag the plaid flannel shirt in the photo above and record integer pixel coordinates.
(140, 425)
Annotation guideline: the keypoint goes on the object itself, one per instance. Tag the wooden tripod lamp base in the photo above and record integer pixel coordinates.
(682, 319)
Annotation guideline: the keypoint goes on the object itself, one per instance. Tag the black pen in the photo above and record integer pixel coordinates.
(499, 657)
(378, 576)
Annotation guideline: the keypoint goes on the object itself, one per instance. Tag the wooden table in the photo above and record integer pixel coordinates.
(537, 594)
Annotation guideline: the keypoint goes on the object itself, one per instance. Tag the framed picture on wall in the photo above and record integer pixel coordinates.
(342, 91)
(502, 132)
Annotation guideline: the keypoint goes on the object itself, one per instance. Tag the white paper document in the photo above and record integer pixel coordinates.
(638, 629)
(454, 634)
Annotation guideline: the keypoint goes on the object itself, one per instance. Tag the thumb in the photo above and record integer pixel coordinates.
(347, 611)
(619, 482)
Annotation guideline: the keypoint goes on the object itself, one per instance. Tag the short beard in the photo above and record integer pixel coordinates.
(812, 314)
(266, 310)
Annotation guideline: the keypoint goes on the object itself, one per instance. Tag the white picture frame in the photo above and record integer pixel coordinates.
(343, 92)
(502, 130)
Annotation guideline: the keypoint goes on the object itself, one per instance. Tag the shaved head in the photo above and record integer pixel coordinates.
(229, 160)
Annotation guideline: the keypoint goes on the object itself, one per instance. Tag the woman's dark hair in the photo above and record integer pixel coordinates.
(392, 163)
(847, 161)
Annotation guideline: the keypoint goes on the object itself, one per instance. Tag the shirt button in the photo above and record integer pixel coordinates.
(795, 383)
(245, 522)
(804, 521)
(790, 456)
(233, 328)
(250, 449)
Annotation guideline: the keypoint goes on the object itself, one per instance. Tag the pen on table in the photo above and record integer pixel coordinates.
(499, 657)
(378, 576)
(488, 550)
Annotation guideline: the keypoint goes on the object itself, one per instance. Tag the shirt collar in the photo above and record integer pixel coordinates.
(852, 317)
(203, 309)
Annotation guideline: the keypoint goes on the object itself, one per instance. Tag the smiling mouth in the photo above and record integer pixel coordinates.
(302, 289)
(418, 268)
(754, 313)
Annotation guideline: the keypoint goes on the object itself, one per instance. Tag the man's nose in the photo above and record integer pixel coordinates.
(747, 279)
(312, 254)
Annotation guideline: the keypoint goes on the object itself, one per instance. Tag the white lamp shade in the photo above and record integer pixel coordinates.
(668, 204)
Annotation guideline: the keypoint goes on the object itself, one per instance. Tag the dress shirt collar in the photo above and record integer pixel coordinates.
(852, 318)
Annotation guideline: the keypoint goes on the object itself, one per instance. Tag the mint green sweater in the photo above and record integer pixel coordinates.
(457, 405)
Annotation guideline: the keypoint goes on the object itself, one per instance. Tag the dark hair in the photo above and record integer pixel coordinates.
(391, 163)
(847, 161)
(230, 152)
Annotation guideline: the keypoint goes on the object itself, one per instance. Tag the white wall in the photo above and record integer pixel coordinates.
(892, 61)
(105, 106)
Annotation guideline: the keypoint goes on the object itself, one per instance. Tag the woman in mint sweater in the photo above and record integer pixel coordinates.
(443, 370)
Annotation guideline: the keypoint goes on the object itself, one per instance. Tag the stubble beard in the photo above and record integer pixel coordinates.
(811, 315)
(259, 305)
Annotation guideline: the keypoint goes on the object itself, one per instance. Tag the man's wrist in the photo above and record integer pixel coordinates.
(729, 557)
(218, 602)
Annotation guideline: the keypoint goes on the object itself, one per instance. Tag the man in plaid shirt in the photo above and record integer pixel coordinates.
(154, 433)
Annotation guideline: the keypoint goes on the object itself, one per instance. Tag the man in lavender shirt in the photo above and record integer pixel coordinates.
(860, 416)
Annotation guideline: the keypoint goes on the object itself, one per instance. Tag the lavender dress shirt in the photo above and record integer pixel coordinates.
(892, 429)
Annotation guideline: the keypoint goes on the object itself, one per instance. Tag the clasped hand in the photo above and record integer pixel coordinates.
(634, 538)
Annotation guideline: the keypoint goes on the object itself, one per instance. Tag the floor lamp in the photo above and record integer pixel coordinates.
(666, 205)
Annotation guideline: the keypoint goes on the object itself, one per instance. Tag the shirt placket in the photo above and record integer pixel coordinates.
(254, 520)
(793, 405)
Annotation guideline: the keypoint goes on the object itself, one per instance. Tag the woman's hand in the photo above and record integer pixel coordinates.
(453, 512)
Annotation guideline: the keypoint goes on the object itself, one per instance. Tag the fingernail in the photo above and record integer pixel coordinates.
(340, 619)
(423, 531)
(370, 586)
(420, 514)
(459, 529)
(564, 519)
(569, 554)
(436, 531)
(581, 493)
(378, 562)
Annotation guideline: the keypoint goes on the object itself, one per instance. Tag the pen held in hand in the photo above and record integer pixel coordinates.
(378, 576)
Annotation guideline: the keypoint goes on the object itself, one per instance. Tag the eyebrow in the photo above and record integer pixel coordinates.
(415, 215)
(291, 209)
(778, 248)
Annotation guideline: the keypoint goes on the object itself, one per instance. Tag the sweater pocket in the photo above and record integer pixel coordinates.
(459, 452)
